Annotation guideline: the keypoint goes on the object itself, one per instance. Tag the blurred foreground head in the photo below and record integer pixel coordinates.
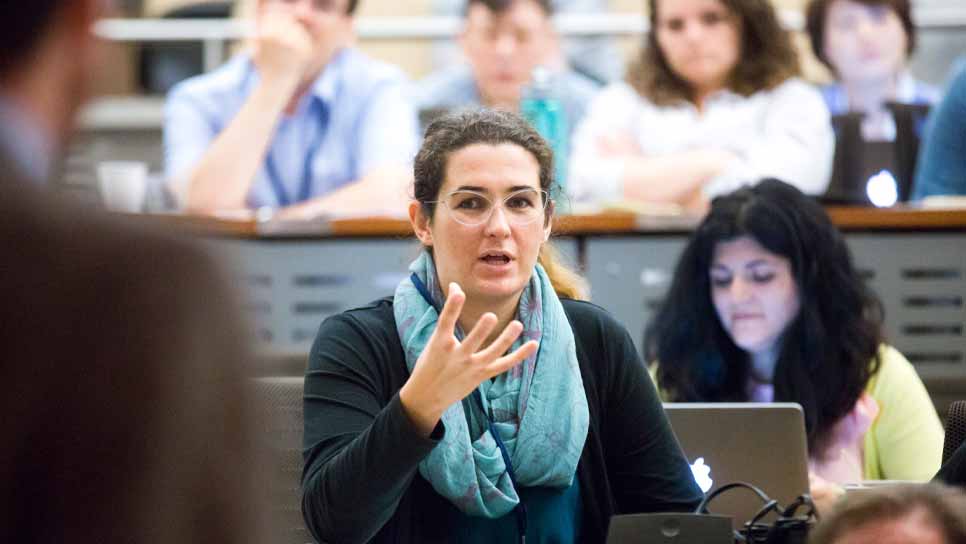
(121, 361)
(921, 513)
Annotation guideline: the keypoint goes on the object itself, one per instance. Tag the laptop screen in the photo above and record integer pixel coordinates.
(758, 443)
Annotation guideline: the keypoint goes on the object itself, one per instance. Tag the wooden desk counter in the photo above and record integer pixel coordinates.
(847, 218)
(295, 273)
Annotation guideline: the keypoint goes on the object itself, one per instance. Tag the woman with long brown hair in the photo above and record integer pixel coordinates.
(714, 99)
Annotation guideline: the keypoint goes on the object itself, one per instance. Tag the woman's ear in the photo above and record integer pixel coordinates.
(421, 223)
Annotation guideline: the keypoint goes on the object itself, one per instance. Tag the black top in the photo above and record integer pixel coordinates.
(360, 482)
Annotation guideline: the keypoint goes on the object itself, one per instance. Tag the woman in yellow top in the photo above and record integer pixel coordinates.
(766, 305)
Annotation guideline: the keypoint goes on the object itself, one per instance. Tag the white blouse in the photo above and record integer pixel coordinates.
(784, 133)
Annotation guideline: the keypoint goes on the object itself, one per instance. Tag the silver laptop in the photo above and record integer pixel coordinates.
(759, 443)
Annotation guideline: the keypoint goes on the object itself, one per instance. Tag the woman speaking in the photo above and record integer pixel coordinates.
(483, 402)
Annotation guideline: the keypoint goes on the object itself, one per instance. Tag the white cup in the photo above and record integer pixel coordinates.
(123, 184)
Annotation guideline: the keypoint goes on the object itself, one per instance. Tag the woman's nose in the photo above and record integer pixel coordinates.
(740, 290)
(505, 45)
(693, 32)
(497, 224)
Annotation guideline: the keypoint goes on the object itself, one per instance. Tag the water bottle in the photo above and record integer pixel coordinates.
(546, 114)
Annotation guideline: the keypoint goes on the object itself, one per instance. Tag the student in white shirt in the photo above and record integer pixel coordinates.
(713, 100)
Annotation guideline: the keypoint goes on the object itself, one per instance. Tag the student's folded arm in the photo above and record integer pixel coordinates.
(648, 468)
(672, 178)
(796, 144)
(188, 132)
(593, 175)
(606, 167)
(361, 450)
(386, 144)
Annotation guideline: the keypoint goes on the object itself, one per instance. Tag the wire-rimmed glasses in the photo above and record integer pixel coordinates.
(472, 208)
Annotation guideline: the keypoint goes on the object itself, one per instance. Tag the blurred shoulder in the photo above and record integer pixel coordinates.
(360, 72)
(376, 316)
(895, 373)
(797, 89)
(622, 93)
(451, 87)
(372, 325)
(577, 85)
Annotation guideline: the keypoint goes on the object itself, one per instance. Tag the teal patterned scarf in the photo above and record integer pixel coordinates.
(538, 407)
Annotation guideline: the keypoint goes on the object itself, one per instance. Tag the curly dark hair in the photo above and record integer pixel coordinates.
(768, 57)
(817, 10)
(828, 352)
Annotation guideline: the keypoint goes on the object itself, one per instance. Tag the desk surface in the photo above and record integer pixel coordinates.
(847, 218)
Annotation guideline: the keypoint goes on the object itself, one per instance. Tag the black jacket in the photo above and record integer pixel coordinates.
(360, 481)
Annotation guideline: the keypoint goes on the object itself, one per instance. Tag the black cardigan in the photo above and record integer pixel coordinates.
(360, 482)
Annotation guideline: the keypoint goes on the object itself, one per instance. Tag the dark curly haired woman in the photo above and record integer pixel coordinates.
(766, 305)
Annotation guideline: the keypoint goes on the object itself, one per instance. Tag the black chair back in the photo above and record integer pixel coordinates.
(279, 433)
(955, 428)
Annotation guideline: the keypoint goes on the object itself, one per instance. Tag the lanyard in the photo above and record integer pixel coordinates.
(305, 188)
(520, 510)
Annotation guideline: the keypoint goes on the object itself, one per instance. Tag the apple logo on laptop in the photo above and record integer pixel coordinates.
(702, 474)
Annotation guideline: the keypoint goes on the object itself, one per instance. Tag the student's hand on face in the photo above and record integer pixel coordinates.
(449, 369)
(283, 47)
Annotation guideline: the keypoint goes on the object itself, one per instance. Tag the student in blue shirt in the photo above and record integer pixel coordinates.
(301, 121)
(942, 162)
(503, 42)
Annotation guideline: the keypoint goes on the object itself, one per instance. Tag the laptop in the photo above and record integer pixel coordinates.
(759, 443)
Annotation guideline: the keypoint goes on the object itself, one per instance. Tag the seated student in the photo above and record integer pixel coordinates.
(504, 41)
(766, 305)
(866, 44)
(418, 405)
(713, 101)
(596, 57)
(303, 120)
(878, 108)
(924, 514)
(942, 160)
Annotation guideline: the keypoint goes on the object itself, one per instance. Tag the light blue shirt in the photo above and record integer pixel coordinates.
(455, 88)
(942, 158)
(357, 117)
(908, 91)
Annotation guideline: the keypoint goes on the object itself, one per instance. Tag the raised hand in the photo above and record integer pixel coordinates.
(448, 370)
(283, 47)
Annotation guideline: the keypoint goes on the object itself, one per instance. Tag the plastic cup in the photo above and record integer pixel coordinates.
(123, 185)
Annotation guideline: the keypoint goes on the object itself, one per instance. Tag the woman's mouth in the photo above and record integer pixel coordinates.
(496, 258)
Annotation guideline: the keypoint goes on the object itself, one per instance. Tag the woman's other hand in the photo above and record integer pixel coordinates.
(825, 494)
(449, 369)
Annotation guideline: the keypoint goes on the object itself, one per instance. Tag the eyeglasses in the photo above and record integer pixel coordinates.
(473, 209)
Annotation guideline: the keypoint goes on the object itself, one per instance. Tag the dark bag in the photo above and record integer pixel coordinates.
(789, 526)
